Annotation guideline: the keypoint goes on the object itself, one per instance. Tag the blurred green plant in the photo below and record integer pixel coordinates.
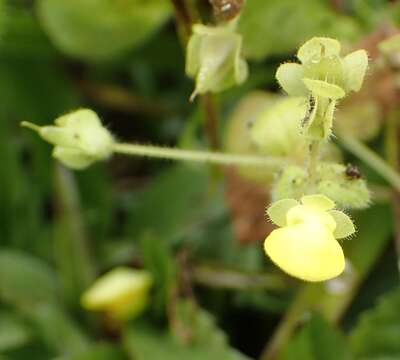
(59, 231)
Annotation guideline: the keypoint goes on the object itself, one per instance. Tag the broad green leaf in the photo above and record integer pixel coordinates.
(20, 34)
(200, 339)
(166, 205)
(25, 280)
(280, 26)
(14, 332)
(58, 331)
(100, 351)
(159, 260)
(376, 335)
(100, 29)
(317, 340)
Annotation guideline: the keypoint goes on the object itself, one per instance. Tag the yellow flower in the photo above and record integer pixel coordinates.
(305, 246)
(122, 293)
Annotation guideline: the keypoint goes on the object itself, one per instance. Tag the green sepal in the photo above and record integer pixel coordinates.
(289, 76)
(332, 182)
(278, 210)
(318, 201)
(355, 66)
(213, 58)
(344, 225)
(318, 47)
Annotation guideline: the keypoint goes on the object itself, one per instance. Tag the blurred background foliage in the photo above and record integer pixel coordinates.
(197, 229)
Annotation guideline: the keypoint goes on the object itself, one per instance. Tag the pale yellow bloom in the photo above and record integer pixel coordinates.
(305, 246)
(122, 293)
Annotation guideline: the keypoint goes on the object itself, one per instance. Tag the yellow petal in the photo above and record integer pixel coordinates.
(307, 214)
(307, 251)
(122, 291)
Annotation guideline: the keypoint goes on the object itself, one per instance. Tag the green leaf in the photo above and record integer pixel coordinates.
(199, 339)
(14, 332)
(317, 340)
(280, 26)
(159, 260)
(58, 330)
(100, 29)
(166, 205)
(101, 351)
(25, 280)
(376, 336)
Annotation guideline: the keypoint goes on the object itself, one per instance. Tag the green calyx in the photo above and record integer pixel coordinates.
(213, 58)
(79, 138)
(332, 181)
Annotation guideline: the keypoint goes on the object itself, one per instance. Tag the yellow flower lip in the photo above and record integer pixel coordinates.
(305, 246)
(307, 251)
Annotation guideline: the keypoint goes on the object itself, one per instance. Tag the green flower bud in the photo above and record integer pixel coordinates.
(361, 119)
(268, 124)
(276, 130)
(213, 58)
(79, 138)
(324, 77)
(333, 181)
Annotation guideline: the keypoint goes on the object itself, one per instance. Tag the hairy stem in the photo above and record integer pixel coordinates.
(372, 159)
(313, 162)
(197, 156)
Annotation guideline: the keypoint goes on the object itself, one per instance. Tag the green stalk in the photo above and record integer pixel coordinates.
(198, 156)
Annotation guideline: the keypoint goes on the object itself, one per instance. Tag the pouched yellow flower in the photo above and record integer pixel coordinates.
(306, 245)
(122, 293)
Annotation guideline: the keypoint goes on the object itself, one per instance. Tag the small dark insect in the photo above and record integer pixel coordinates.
(353, 172)
(225, 10)
(310, 109)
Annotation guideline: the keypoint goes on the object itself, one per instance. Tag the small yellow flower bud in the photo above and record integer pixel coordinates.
(305, 246)
(122, 293)
(79, 138)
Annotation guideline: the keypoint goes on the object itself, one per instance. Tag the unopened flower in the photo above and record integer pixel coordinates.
(306, 244)
(213, 58)
(323, 77)
(79, 138)
(122, 293)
